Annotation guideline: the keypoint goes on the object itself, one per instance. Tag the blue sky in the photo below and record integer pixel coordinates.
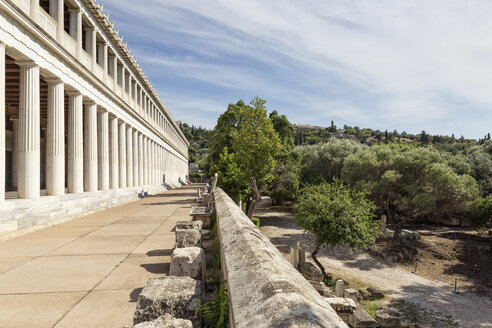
(406, 65)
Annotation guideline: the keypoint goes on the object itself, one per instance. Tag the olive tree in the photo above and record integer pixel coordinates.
(336, 215)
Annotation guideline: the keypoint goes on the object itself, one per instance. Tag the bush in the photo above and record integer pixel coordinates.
(480, 213)
(215, 312)
(256, 221)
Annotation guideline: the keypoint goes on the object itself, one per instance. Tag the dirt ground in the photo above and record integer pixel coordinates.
(460, 254)
(447, 255)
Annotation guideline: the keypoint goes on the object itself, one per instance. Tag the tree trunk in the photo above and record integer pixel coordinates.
(256, 197)
(318, 263)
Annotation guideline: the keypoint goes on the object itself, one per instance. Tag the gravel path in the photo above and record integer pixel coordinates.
(468, 309)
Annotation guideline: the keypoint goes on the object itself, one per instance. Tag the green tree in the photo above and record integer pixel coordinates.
(284, 128)
(480, 213)
(336, 215)
(324, 161)
(251, 144)
(409, 182)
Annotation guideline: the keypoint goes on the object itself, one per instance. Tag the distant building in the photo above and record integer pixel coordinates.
(80, 124)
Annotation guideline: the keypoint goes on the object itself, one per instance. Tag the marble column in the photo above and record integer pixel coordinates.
(29, 131)
(34, 10)
(93, 49)
(2, 122)
(60, 32)
(123, 82)
(76, 29)
(55, 138)
(152, 163)
(75, 156)
(122, 155)
(113, 153)
(15, 152)
(90, 147)
(145, 161)
(136, 159)
(140, 160)
(102, 150)
(129, 156)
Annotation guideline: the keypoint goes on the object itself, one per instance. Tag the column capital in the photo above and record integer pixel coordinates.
(89, 102)
(26, 63)
(53, 80)
(73, 92)
(74, 9)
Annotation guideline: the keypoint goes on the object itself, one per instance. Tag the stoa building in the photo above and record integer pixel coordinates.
(81, 127)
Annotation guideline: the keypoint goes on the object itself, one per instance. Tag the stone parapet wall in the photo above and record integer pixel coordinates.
(264, 288)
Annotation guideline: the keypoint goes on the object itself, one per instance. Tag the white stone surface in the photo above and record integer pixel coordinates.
(189, 262)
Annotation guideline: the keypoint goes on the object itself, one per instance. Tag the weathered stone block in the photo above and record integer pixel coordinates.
(205, 234)
(177, 296)
(341, 304)
(165, 321)
(361, 319)
(311, 272)
(388, 318)
(188, 238)
(351, 293)
(370, 293)
(189, 262)
(197, 225)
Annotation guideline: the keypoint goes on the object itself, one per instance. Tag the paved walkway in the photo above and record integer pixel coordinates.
(89, 272)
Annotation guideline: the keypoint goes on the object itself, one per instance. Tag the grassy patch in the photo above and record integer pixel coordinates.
(372, 306)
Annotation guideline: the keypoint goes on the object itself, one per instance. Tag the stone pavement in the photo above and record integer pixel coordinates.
(89, 272)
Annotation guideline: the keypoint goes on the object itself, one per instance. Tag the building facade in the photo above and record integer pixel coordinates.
(81, 126)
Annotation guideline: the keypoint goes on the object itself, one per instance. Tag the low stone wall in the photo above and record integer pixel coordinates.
(264, 288)
(34, 214)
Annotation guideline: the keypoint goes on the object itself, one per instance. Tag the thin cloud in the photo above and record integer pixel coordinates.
(410, 65)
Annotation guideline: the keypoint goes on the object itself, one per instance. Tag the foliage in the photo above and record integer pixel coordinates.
(284, 129)
(243, 144)
(336, 215)
(215, 312)
(480, 159)
(323, 162)
(256, 221)
(285, 184)
(480, 212)
(409, 182)
(198, 138)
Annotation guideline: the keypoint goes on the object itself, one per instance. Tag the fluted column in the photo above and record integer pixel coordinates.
(29, 131)
(75, 156)
(102, 150)
(122, 155)
(129, 156)
(2, 122)
(136, 159)
(151, 162)
(90, 147)
(140, 160)
(145, 162)
(113, 153)
(55, 139)
(15, 151)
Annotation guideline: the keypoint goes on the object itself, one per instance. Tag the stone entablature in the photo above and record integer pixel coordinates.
(81, 115)
(264, 288)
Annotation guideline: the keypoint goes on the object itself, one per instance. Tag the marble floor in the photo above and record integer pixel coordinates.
(89, 272)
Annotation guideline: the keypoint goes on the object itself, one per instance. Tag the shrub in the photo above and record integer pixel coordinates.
(480, 213)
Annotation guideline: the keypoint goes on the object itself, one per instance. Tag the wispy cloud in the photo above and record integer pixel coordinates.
(387, 64)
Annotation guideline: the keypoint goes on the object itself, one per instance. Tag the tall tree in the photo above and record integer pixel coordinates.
(246, 135)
